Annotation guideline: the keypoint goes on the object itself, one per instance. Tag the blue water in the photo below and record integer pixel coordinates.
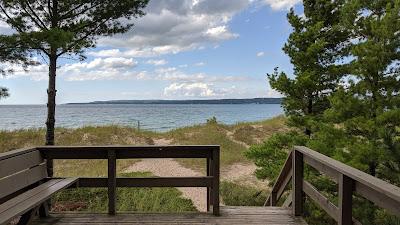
(152, 117)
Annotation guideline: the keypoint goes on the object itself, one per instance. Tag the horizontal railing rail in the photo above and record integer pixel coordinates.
(349, 180)
(112, 153)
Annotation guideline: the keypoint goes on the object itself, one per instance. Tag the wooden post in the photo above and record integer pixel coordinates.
(49, 165)
(50, 173)
(273, 198)
(215, 188)
(112, 181)
(297, 183)
(346, 187)
(208, 165)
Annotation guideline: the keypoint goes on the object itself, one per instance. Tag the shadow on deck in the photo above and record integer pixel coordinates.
(228, 215)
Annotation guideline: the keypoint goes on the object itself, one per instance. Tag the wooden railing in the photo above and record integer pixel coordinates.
(349, 179)
(112, 153)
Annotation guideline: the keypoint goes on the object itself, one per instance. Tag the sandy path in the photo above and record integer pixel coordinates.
(230, 136)
(243, 173)
(171, 168)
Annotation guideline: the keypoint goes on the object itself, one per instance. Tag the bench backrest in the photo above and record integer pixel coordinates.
(20, 169)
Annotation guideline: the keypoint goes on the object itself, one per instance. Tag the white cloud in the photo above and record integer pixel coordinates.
(36, 73)
(200, 64)
(97, 69)
(119, 69)
(157, 62)
(172, 26)
(260, 54)
(189, 90)
(174, 75)
(281, 4)
(102, 69)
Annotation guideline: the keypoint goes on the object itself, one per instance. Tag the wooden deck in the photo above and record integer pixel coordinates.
(229, 216)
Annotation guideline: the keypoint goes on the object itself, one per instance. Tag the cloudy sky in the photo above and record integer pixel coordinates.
(182, 49)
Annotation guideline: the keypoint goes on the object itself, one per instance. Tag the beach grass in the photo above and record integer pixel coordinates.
(234, 194)
(233, 139)
(128, 199)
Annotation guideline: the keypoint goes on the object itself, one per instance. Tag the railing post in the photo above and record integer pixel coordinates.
(297, 183)
(346, 187)
(112, 181)
(208, 165)
(273, 198)
(215, 183)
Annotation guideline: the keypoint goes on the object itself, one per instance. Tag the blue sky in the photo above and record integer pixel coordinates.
(191, 49)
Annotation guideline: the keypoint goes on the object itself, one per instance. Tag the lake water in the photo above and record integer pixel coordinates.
(157, 117)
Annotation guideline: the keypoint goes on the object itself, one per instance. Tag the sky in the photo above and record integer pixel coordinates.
(181, 49)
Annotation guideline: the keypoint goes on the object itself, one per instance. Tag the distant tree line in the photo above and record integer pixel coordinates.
(343, 97)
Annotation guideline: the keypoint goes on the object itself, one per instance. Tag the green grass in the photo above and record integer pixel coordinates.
(234, 194)
(206, 134)
(209, 134)
(128, 199)
(254, 132)
(229, 137)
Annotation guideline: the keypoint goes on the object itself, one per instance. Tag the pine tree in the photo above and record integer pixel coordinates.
(12, 51)
(3, 92)
(55, 28)
(316, 44)
(368, 106)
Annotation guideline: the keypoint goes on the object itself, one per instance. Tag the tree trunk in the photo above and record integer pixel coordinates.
(51, 100)
(307, 130)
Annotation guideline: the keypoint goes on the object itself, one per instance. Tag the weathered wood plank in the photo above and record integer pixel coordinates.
(13, 153)
(346, 186)
(11, 184)
(149, 182)
(112, 182)
(20, 162)
(127, 152)
(366, 180)
(321, 167)
(26, 195)
(297, 183)
(31, 199)
(215, 182)
(321, 200)
(288, 201)
(379, 198)
(229, 216)
(285, 182)
(281, 182)
(208, 197)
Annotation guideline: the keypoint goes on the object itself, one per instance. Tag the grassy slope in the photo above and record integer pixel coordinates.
(233, 140)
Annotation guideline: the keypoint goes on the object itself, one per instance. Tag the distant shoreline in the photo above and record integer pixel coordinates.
(200, 101)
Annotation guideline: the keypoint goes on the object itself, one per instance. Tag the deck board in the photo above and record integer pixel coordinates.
(229, 215)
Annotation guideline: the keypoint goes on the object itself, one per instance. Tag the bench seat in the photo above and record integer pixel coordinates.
(32, 198)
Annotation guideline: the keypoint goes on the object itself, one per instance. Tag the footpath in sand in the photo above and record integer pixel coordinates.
(171, 168)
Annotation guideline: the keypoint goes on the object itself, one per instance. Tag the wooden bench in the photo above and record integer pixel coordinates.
(25, 186)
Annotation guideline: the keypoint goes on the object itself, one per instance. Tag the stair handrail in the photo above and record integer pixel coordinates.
(281, 182)
(349, 180)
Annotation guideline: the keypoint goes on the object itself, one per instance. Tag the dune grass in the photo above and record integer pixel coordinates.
(128, 199)
(233, 139)
(234, 194)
